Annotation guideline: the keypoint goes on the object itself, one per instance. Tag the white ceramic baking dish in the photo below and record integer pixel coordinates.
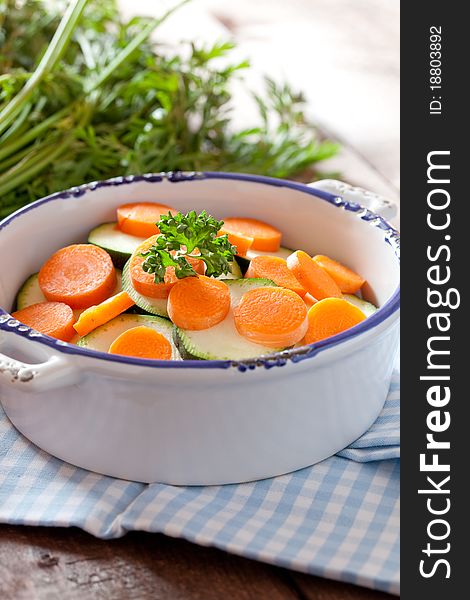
(202, 422)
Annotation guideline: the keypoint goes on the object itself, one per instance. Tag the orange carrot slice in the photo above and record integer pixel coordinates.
(142, 342)
(312, 277)
(265, 237)
(271, 316)
(348, 281)
(242, 242)
(329, 317)
(51, 318)
(98, 315)
(275, 268)
(79, 275)
(140, 218)
(309, 300)
(144, 283)
(198, 302)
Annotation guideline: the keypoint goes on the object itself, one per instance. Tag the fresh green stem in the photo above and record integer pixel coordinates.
(33, 133)
(11, 160)
(27, 168)
(106, 73)
(86, 51)
(132, 46)
(15, 127)
(37, 160)
(51, 57)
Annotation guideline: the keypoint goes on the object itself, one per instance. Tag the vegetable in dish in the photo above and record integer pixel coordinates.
(186, 240)
(142, 342)
(79, 275)
(223, 341)
(101, 338)
(119, 245)
(312, 277)
(273, 316)
(93, 317)
(186, 280)
(198, 302)
(140, 218)
(329, 317)
(31, 293)
(275, 268)
(265, 237)
(52, 318)
(347, 281)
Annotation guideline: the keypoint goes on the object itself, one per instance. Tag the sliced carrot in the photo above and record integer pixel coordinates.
(198, 302)
(51, 318)
(140, 218)
(265, 237)
(142, 342)
(312, 277)
(275, 268)
(272, 316)
(348, 281)
(329, 317)
(309, 300)
(242, 242)
(98, 315)
(79, 275)
(144, 283)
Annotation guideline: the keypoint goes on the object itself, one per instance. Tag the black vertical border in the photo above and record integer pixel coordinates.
(422, 133)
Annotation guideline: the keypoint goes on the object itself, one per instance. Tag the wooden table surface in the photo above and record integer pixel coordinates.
(67, 564)
(43, 563)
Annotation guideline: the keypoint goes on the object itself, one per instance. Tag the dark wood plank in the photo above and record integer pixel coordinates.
(65, 564)
(314, 588)
(39, 563)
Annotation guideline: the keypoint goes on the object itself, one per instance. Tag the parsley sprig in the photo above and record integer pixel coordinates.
(189, 235)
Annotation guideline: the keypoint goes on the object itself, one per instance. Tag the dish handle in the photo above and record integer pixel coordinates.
(53, 373)
(374, 202)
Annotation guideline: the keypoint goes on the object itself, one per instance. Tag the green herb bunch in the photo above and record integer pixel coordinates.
(184, 236)
(87, 96)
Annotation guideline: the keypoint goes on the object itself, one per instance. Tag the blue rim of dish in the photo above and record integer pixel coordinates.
(391, 237)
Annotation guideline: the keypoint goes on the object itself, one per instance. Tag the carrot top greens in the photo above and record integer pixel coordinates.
(86, 95)
(189, 235)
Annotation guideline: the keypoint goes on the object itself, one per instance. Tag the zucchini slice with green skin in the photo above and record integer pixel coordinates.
(223, 342)
(236, 272)
(118, 245)
(30, 292)
(152, 306)
(244, 261)
(367, 308)
(102, 337)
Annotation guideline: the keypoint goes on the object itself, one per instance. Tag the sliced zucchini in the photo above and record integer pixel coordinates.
(117, 244)
(367, 308)
(244, 261)
(30, 292)
(223, 342)
(102, 337)
(235, 273)
(153, 306)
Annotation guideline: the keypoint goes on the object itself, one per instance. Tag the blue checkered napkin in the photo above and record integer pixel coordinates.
(382, 441)
(338, 519)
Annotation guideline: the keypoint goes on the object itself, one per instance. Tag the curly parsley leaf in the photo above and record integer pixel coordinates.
(189, 235)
